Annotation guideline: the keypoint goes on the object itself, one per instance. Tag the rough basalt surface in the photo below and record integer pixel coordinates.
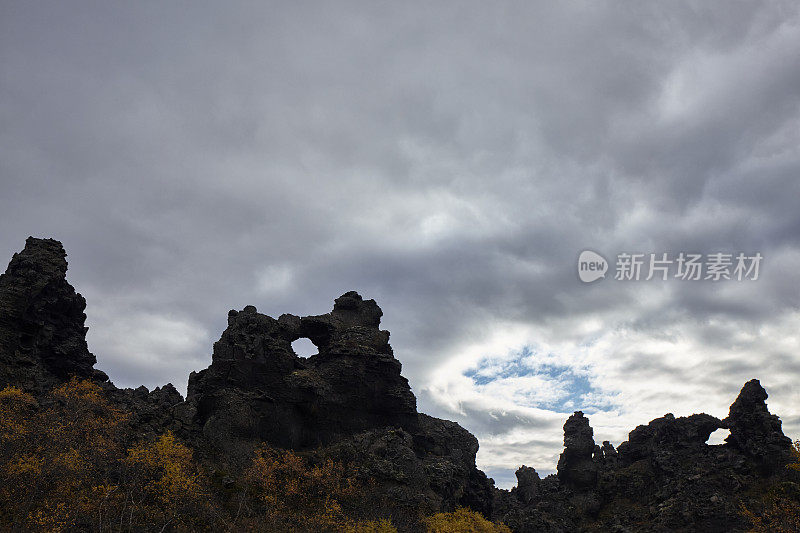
(43, 337)
(350, 402)
(755, 431)
(350, 398)
(258, 388)
(42, 333)
(665, 477)
(576, 469)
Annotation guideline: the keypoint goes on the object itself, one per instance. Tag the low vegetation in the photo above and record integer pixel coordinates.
(779, 508)
(70, 462)
(462, 520)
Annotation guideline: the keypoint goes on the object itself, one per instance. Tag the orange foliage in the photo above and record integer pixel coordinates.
(64, 465)
(67, 463)
(462, 521)
(163, 486)
(295, 494)
(779, 514)
(287, 492)
(15, 407)
(53, 457)
(780, 506)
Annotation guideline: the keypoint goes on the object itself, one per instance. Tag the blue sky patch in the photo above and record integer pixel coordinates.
(571, 388)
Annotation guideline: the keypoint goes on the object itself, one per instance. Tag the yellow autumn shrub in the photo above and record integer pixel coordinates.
(371, 526)
(165, 485)
(779, 508)
(15, 409)
(66, 465)
(462, 520)
(53, 457)
(779, 514)
(298, 495)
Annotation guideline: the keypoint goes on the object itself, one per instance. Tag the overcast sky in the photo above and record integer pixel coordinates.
(449, 160)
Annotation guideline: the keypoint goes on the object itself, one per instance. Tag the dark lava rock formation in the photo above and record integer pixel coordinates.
(755, 431)
(663, 478)
(349, 398)
(350, 402)
(258, 388)
(576, 469)
(42, 333)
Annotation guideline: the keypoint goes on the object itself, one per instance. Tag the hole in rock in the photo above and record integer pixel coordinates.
(718, 437)
(304, 347)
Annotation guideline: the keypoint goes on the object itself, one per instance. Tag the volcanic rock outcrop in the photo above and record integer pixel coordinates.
(42, 333)
(258, 388)
(576, 469)
(665, 477)
(349, 400)
(350, 397)
(351, 403)
(755, 431)
(43, 336)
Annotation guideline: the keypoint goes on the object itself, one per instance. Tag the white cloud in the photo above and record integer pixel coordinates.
(146, 348)
(449, 167)
(275, 279)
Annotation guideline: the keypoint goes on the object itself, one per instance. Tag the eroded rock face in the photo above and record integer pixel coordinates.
(576, 469)
(665, 477)
(666, 435)
(42, 333)
(351, 399)
(607, 455)
(258, 388)
(754, 430)
(528, 484)
(428, 470)
(43, 337)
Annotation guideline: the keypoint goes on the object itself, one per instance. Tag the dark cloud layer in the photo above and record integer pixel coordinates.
(449, 160)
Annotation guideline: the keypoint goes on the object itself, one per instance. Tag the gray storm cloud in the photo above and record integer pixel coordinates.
(449, 160)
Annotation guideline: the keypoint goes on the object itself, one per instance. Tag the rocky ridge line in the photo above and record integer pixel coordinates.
(350, 401)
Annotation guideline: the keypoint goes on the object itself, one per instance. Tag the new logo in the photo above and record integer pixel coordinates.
(591, 266)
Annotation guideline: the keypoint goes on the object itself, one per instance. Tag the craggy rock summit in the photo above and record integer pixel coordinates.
(576, 469)
(663, 478)
(755, 431)
(350, 397)
(258, 388)
(350, 402)
(43, 336)
(42, 333)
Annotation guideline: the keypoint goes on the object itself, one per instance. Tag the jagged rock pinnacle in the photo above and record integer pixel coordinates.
(42, 333)
(575, 466)
(754, 430)
(258, 387)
